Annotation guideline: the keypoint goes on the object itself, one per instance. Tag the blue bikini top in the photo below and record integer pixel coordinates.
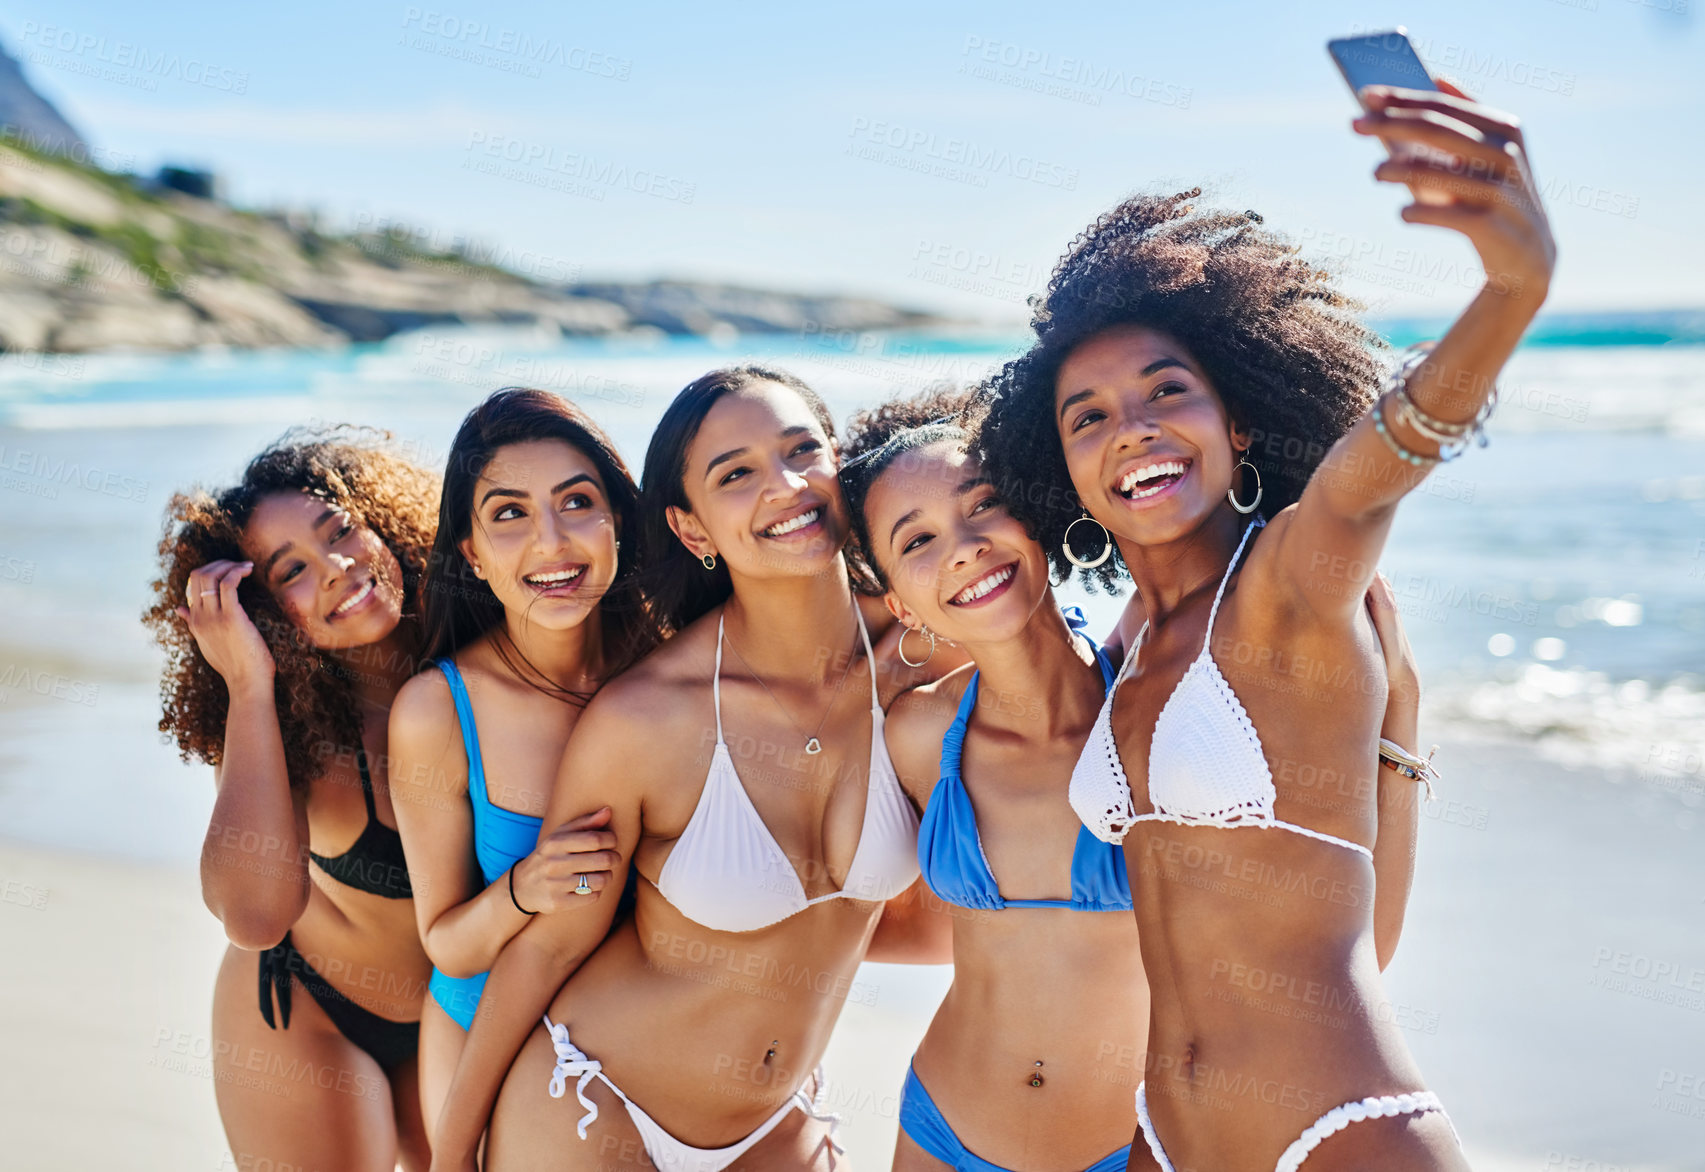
(950, 850)
(502, 837)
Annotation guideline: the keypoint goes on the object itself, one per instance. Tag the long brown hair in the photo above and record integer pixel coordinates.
(460, 607)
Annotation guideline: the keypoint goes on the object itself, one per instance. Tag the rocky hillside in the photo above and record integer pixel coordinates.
(90, 260)
(26, 115)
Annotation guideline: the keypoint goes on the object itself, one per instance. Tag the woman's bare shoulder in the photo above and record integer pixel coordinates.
(423, 713)
(918, 720)
(663, 694)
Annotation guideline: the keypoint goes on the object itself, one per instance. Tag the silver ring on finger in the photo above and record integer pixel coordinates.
(207, 593)
(583, 887)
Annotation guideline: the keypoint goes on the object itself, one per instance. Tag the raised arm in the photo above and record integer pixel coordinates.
(254, 873)
(597, 775)
(1333, 537)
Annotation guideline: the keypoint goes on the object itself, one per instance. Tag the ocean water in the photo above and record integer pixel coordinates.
(1553, 584)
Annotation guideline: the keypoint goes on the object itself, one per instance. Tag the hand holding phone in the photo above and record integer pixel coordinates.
(1389, 59)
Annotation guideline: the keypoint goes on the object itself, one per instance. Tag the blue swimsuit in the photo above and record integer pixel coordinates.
(950, 852)
(502, 838)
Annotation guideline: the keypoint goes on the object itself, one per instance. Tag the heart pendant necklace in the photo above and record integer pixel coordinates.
(813, 746)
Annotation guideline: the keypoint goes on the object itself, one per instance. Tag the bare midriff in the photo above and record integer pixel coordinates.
(1055, 986)
(685, 1019)
(366, 947)
(1267, 1004)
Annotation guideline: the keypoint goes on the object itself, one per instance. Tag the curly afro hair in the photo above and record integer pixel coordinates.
(1280, 343)
(877, 436)
(352, 468)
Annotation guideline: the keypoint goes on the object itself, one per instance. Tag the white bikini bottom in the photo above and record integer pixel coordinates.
(1331, 1123)
(667, 1152)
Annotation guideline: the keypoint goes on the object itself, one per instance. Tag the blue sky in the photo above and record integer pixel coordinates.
(935, 154)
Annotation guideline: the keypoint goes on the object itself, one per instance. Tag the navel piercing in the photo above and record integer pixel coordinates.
(1036, 1075)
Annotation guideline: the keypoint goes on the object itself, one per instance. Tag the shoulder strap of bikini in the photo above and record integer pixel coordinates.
(1226, 577)
(470, 732)
(953, 740)
(366, 782)
(716, 680)
(870, 657)
(1130, 660)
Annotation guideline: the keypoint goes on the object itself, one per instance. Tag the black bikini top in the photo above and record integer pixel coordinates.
(375, 862)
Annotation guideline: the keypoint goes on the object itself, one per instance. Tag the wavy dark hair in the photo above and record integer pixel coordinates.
(1280, 343)
(352, 468)
(460, 607)
(878, 436)
(677, 586)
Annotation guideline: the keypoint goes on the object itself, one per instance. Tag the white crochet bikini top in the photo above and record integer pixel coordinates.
(1206, 765)
(727, 871)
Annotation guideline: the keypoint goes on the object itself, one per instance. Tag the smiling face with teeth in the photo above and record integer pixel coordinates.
(760, 483)
(332, 576)
(956, 561)
(544, 534)
(1147, 439)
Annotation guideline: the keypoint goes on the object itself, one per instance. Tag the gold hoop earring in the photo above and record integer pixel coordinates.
(902, 647)
(1231, 493)
(709, 561)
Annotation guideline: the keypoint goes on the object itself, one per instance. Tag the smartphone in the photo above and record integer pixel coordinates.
(1389, 59)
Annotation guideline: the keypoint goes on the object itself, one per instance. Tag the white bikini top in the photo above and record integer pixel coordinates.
(1206, 765)
(728, 873)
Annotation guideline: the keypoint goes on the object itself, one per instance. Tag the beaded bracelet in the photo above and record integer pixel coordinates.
(1418, 459)
(1451, 437)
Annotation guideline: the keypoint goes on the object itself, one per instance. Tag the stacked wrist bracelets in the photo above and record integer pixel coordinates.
(1405, 764)
(1452, 438)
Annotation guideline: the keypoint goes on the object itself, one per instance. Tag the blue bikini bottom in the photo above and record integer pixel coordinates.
(920, 1119)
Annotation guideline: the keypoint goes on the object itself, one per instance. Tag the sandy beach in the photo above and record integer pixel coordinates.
(1541, 982)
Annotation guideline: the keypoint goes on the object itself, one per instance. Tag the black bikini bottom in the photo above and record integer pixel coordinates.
(389, 1042)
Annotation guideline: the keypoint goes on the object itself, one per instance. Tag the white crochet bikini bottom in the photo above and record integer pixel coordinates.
(1331, 1123)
